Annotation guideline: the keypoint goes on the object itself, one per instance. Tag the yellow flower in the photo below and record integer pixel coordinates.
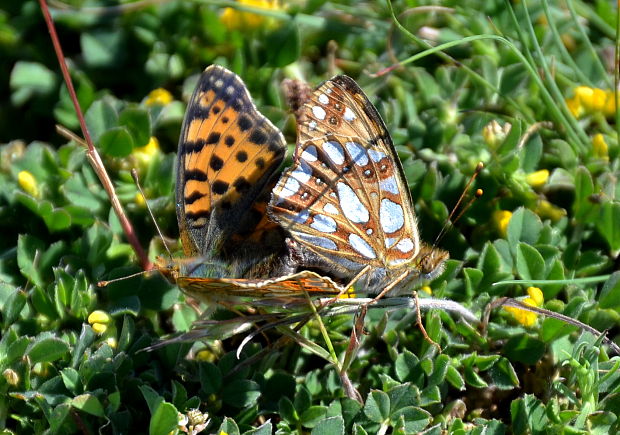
(205, 355)
(234, 19)
(139, 200)
(589, 100)
(147, 152)
(99, 321)
(600, 146)
(610, 105)
(575, 107)
(158, 97)
(537, 179)
(28, 183)
(536, 295)
(501, 218)
(546, 210)
(349, 294)
(426, 289)
(524, 317)
(494, 133)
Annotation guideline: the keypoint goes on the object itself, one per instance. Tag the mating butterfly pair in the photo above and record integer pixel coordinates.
(343, 208)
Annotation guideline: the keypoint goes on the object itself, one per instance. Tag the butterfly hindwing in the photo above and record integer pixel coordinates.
(227, 159)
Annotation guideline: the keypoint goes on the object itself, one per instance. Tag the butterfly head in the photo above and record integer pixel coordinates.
(431, 261)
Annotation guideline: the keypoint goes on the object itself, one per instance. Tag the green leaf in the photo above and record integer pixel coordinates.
(406, 366)
(138, 123)
(610, 293)
(116, 142)
(264, 429)
(210, 377)
(530, 264)
(13, 306)
(524, 226)
(153, 399)
(524, 349)
(102, 48)
(329, 426)
(377, 407)
(286, 38)
(241, 393)
(164, 420)
(29, 248)
(584, 188)
(503, 375)
(228, 427)
(607, 224)
(311, 416)
(415, 419)
(287, 410)
(47, 350)
(100, 117)
(29, 79)
(89, 404)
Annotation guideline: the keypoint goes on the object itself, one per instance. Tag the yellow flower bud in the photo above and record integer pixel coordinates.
(501, 218)
(427, 289)
(112, 342)
(536, 295)
(99, 328)
(11, 377)
(537, 179)
(205, 355)
(158, 97)
(139, 200)
(546, 210)
(147, 152)
(99, 316)
(28, 183)
(600, 146)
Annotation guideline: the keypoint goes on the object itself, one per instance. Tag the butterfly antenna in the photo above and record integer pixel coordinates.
(478, 194)
(133, 275)
(136, 179)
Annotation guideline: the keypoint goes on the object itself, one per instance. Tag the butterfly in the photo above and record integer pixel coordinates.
(227, 164)
(345, 201)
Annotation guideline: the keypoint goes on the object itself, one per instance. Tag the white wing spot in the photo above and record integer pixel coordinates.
(361, 246)
(334, 151)
(323, 99)
(309, 154)
(290, 188)
(302, 173)
(349, 115)
(376, 156)
(324, 224)
(357, 153)
(330, 208)
(322, 242)
(218, 83)
(312, 125)
(369, 231)
(391, 216)
(230, 90)
(389, 242)
(301, 217)
(389, 185)
(319, 112)
(405, 245)
(351, 205)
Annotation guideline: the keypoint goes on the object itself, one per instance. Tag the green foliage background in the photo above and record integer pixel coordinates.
(512, 63)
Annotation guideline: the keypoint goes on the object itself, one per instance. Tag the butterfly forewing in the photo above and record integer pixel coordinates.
(228, 155)
(345, 198)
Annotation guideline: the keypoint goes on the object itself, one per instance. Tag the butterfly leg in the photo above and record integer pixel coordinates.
(391, 286)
